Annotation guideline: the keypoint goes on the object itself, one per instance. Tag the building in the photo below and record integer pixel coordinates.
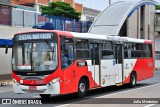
(38, 3)
(134, 18)
(89, 14)
(5, 12)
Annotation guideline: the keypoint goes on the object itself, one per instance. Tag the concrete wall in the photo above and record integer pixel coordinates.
(157, 49)
(7, 32)
(5, 59)
(152, 22)
(157, 62)
(146, 21)
(157, 44)
(134, 23)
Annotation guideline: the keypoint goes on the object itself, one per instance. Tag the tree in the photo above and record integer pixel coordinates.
(61, 9)
(157, 7)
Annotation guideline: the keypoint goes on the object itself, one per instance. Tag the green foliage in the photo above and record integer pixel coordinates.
(61, 9)
(157, 7)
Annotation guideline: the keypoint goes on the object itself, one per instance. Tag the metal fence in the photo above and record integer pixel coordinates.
(27, 18)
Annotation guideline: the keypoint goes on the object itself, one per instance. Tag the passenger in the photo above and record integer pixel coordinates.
(64, 60)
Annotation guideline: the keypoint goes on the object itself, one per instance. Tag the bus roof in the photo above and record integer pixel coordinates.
(92, 36)
(111, 38)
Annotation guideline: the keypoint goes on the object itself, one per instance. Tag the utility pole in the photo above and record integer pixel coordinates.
(109, 2)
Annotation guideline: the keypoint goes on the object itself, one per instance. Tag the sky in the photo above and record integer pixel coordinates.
(99, 4)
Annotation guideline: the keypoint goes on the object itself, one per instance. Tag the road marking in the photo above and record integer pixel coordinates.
(62, 105)
(149, 105)
(128, 90)
(36, 97)
(114, 94)
(6, 90)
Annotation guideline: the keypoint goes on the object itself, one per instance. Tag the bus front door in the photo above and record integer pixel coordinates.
(119, 60)
(95, 57)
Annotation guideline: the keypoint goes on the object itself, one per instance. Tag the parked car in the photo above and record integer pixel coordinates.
(44, 25)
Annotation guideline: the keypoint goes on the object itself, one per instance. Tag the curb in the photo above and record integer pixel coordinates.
(157, 68)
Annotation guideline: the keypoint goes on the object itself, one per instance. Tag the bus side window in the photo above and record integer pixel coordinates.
(107, 50)
(82, 49)
(128, 50)
(67, 52)
(147, 50)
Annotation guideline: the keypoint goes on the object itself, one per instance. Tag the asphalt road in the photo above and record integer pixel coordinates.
(68, 100)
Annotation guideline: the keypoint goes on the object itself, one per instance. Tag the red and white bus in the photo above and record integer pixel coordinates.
(59, 62)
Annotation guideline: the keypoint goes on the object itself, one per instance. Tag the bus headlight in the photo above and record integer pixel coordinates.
(53, 81)
(15, 82)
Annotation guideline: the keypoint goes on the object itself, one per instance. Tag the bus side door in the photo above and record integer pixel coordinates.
(95, 67)
(119, 61)
(108, 64)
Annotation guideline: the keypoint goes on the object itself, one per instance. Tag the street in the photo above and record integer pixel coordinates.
(56, 47)
(145, 89)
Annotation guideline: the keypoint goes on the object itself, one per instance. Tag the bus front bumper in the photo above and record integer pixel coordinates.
(45, 89)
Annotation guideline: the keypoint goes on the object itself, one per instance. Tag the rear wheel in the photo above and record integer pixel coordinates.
(133, 79)
(82, 88)
(45, 95)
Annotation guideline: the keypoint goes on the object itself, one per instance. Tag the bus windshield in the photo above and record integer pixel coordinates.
(34, 56)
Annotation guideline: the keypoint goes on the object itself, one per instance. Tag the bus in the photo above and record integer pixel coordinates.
(59, 62)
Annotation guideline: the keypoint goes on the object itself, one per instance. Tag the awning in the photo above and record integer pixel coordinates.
(6, 42)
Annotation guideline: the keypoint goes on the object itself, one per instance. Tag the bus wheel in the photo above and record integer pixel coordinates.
(45, 95)
(82, 88)
(133, 80)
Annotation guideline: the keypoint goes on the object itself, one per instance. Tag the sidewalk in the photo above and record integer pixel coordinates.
(5, 80)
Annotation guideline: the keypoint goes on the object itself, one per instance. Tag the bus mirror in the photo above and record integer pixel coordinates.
(6, 51)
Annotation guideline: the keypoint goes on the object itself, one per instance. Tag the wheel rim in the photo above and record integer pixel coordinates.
(133, 80)
(82, 87)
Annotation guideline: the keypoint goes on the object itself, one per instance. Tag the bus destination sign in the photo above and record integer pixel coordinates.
(34, 36)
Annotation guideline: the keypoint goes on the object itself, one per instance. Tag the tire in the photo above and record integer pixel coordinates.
(45, 96)
(82, 88)
(133, 80)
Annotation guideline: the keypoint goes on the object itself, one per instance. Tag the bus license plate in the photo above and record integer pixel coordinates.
(32, 88)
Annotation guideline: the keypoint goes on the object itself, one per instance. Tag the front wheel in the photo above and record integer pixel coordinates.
(82, 88)
(45, 95)
(133, 80)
